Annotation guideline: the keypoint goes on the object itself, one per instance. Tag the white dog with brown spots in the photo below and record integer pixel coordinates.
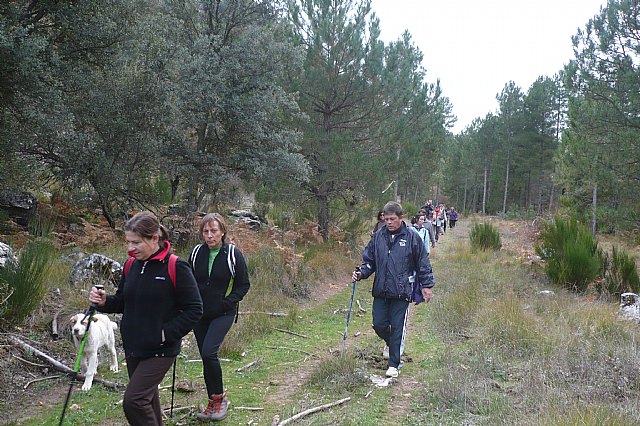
(100, 334)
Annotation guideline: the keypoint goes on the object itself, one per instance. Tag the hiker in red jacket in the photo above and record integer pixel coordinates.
(156, 313)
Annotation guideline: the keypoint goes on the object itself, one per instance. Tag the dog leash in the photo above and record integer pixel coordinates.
(88, 314)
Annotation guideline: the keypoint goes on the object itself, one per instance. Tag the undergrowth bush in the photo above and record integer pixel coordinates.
(571, 253)
(23, 286)
(275, 284)
(485, 236)
(620, 273)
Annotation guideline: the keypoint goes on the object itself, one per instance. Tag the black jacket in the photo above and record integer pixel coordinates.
(219, 295)
(398, 262)
(151, 303)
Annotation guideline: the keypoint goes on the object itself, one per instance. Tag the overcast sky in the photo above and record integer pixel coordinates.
(476, 46)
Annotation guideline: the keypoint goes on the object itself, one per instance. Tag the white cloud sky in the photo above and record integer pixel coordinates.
(476, 46)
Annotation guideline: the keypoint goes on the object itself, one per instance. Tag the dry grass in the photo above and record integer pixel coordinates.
(523, 357)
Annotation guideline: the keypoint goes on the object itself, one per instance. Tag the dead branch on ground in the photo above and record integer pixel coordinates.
(41, 379)
(313, 410)
(282, 330)
(60, 366)
(272, 314)
(251, 364)
(292, 349)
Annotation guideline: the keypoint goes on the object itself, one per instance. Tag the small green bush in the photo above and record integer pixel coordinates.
(485, 237)
(23, 287)
(571, 253)
(621, 273)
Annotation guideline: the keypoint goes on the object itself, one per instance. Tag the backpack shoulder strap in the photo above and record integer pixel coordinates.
(231, 259)
(194, 255)
(173, 259)
(127, 265)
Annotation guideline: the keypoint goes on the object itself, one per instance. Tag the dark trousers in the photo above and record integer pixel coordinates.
(209, 334)
(452, 223)
(141, 402)
(389, 323)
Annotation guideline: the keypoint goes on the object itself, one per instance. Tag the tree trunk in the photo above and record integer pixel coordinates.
(506, 185)
(106, 212)
(528, 196)
(323, 215)
(551, 194)
(395, 185)
(484, 190)
(174, 186)
(594, 205)
(464, 199)
(323, 168)
(437, 192)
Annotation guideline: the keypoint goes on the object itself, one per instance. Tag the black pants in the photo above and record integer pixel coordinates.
(209, 334)
(452, 223)
(389, 323)
(141, 402)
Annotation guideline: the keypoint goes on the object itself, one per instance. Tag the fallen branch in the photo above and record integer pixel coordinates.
(292, 349)
(178, 409)
(313, 410)
(360, 308)
(41, 379)
(60, 366)
(251, 364)
(282, 330)
(249, 408)
(29, 362)
(272, 314)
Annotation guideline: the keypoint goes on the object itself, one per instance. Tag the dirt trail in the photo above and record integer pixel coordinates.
(407, 388)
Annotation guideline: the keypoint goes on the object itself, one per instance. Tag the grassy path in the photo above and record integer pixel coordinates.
(295, 373)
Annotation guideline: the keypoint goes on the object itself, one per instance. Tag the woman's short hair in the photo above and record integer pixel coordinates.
(214, 217)
(146, 225)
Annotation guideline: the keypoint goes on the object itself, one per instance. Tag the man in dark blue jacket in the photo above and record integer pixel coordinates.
(398, 257)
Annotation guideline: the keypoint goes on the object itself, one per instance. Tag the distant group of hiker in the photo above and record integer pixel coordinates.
(162, 297)
(398, 253)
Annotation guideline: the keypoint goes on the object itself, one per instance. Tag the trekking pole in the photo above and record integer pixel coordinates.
(346, 329)
(173, 386)
(88, 314)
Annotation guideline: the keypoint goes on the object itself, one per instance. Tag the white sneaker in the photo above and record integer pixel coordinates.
(385, 352)
(392, 372)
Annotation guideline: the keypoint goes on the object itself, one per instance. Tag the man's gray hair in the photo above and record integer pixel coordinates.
(393, 207)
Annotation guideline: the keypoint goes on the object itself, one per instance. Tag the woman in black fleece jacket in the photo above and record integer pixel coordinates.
(223, 280)
(157, 313)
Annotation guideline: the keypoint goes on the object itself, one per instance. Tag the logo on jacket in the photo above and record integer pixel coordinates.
(161, 278)
(403, 242)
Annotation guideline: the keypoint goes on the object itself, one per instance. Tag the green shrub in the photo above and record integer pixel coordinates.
(24, 286)
(571, 253)
(621, 273)
(485, 237)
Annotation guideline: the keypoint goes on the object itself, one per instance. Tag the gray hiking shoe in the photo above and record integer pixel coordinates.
(216, 410)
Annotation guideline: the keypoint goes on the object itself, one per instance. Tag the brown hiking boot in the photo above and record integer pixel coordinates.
(217, 408)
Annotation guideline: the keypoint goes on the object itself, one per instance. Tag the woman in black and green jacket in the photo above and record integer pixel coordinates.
(158, 305)
(223, 280)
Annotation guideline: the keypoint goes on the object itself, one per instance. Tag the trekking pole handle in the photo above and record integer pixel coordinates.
(356, 270)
